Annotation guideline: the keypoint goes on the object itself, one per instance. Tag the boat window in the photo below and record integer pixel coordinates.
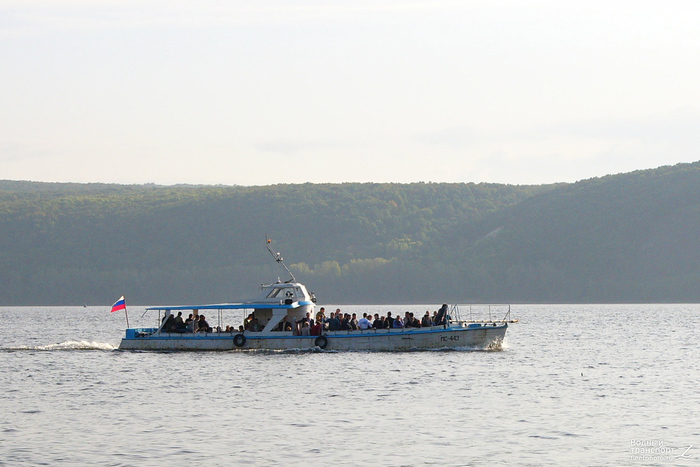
(274, 292)
(284, 292)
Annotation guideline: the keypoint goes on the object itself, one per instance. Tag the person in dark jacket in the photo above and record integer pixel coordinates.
(334, 323)
(179, 323)
(440, 319)
(202, 325)
(170, 324)
(345, 323)
(426, 321)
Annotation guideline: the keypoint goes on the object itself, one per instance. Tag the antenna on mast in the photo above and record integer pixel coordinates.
(279, 259)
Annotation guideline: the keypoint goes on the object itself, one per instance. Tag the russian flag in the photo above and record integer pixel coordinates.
(119, 305)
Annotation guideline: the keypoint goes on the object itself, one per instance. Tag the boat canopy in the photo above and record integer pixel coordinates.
(229, 306)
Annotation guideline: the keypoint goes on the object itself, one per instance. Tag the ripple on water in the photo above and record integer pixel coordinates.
(523, 405)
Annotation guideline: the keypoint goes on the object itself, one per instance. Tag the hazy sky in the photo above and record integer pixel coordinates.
(263, 92)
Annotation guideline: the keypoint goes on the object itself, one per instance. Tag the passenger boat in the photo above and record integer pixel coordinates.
(290, 302)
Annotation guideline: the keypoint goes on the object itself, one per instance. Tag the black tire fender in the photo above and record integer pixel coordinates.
(321, 342)
(239, 340)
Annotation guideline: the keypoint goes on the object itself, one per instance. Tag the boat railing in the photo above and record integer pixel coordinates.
(132, 333)
(482, 313)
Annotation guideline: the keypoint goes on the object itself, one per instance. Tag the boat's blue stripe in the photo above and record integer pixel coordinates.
(232, 306)
(330, 336)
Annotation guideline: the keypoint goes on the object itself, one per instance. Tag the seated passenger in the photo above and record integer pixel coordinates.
(202, 325)
(305, 331)
(345, 323)
(398, 323)
(283, 324)
(247, 321)
(189, 327)
(170, 324)
(364, 323)
(316, 329)
(299, 323)
(353, 322)
(378, 323)
(334, 323)
(426, 322)
(389, 321)
(303, 319)
(407, 322)
(179, 323)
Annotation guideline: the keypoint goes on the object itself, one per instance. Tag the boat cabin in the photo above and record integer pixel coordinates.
(290, 299)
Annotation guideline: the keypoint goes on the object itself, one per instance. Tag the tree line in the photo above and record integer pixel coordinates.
(621, 238)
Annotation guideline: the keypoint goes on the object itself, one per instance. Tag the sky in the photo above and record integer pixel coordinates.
(266, 92)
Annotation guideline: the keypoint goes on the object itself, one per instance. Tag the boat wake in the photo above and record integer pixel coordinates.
(69, 345)
(493, 348)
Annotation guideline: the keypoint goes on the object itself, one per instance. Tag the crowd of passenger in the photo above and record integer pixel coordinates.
(308, 326)
(193, 323)
(340, 321)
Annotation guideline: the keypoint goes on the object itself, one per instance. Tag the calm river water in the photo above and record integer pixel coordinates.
(575, 385)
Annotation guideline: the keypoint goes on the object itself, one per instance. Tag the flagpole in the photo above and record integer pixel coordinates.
(127, 315)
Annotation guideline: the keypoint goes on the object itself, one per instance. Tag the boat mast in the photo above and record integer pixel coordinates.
(279, 259)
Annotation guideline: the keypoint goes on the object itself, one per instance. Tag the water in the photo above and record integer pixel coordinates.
(574, 385)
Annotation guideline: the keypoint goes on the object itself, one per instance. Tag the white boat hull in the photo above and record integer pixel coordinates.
(475, 336)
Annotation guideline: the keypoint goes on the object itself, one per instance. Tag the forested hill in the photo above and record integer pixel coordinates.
(631, 237)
